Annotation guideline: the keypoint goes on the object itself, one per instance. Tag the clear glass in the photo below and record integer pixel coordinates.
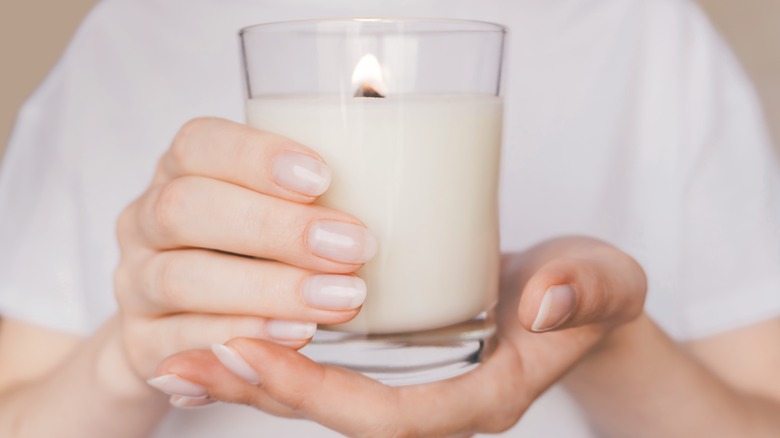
(408, 115)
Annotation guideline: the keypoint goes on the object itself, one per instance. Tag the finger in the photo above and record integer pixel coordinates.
(205, 213)
(592, 283)
(165, 336)
(200, 369)
(200, 281)
(261, 161)
(487, 399)
(190, 402)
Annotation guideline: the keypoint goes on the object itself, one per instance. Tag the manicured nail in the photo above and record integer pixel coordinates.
(341, 242)
(175, 385)
(334, 292)
(233, 361)
(301, 173)
(189, 402)
(290, 330)
(557, 305)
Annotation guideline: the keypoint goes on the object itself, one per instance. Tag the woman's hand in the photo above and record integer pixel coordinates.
(226, 244)
(559, 301)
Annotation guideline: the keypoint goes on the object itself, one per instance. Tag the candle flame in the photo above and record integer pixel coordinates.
(367, 77)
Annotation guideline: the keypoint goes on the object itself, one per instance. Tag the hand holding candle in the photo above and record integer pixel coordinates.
(226, 243)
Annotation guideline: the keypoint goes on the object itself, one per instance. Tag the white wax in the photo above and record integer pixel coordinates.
(422, 174)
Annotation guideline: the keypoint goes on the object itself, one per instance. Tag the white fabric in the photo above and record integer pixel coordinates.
(626, 119)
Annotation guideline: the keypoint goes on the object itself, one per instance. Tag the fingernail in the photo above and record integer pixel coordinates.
(175, 385)
(301, 173)
(334, 292)
(557, 305)
(233, 361)
(341, 242)
(189, 402)
(290, 330)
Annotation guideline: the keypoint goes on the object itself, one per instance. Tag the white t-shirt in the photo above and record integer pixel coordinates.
(627, 120)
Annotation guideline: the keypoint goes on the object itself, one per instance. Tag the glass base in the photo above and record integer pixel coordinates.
(408, 358)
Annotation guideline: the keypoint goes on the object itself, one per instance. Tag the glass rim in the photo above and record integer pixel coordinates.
(475, 25)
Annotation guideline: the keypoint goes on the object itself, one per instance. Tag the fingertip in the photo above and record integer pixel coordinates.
(235, 363)
(558, 304)
(301, 173)
(550, 290)
(602, 286)
(344, 242)
(290, 331)
(190, 402)
(173, 384)
(252, 350)
(269, 357)
(204, 368)
(184, 363)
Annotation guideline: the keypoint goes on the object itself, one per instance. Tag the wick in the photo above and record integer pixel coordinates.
(368, 91)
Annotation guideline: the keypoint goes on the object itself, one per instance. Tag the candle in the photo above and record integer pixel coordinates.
(421, 172)
(407, 114)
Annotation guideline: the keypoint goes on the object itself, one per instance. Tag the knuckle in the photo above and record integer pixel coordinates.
(125, 225)
(181, 148)
(140, 352)
(120, 281)
(169, 205)
(126, 286)
(165, 335)
(164, 288)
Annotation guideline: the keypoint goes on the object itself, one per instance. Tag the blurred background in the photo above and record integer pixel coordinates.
(33, 33)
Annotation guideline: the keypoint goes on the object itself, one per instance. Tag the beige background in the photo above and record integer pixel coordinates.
(34, 32)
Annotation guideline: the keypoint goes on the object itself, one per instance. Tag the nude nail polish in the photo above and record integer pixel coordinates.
(334, 292)
(233, 361)
(341, 241)
(556, 307)
(189, 402)
(290, 330)
(301, 173)
(175, 385)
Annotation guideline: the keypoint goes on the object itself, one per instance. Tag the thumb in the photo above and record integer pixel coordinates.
(594, 283)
